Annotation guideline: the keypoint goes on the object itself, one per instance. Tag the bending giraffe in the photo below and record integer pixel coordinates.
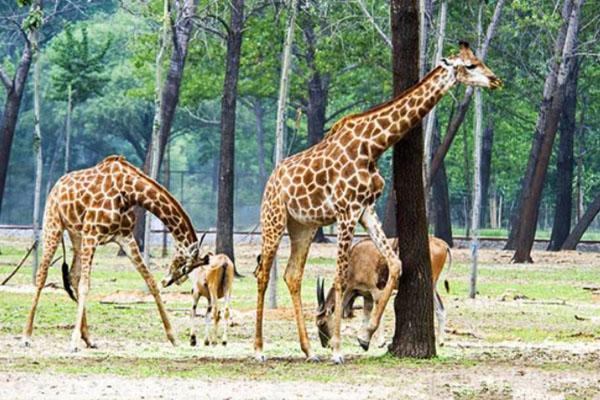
(95, 207)
(337, 180)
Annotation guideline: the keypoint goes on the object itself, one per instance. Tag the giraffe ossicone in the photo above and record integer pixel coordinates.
(337, 180)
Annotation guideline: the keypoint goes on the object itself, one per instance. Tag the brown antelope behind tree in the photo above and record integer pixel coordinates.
(95, 207)
(366, 276)
(337, 180)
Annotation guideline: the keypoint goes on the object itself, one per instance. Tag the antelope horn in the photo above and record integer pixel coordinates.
(202, 239)
(321, 292)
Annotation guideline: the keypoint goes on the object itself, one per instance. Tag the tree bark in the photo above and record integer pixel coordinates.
(582, 225)
(10, 115)
(68, 129)
(39, 159)
(170, 96)
(565, 164)
(459, 117)
(228, 106)
(440, 210)
(260, 142)
(486, 166)
(547, 99)
(318, 88)
(157, 122)
(529, 212)
(413, 305)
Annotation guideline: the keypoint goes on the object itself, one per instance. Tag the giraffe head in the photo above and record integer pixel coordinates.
(185, 261)
(470, 70)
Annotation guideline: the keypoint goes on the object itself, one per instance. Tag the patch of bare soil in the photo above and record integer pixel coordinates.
(491, 256)
(65, 387)
(139, 296)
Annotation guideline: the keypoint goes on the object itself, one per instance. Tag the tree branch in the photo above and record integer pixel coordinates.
(6, 81)
(381, 33)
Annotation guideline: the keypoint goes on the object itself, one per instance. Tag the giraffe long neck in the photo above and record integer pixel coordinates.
(150, 195)
(387, 124)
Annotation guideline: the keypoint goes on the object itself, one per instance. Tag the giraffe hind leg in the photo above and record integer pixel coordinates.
(52, 236)
(301, 237)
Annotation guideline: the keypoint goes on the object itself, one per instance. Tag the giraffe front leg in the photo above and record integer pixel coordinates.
(132, 250)
(346, 225)
(87, 255)
(370, 221)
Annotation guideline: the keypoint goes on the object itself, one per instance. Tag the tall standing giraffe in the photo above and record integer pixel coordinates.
(95, 207)
(337, 180)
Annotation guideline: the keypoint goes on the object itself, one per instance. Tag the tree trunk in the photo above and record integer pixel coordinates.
(39, 160)
(430, 119)
(318, 87)
(280, 127)
(157, 123)
(467, 179)
(547, 98)
(528, 214)
(486, 167)
(564, 165)
(413, 305)
(170, 95)
(10, 115)
(68, 128)
(582, 225)
(459, 117)
(260, 143)
(476, 205)
(440, 210)
(228, 107)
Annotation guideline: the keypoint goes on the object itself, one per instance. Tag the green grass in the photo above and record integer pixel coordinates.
(134, 343)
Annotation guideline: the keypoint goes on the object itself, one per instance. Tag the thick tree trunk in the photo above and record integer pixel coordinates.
(486, 167)
(317, 98)
(228, 107)
(528, 214)
(10, 115)
(413, 305)
(564, 165)
(582, 225)
(170, 96)
(459, 117)
(547, 99)
(440, 210)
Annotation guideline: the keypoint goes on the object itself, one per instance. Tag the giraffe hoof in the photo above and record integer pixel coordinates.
(92, 346)
(313, 359)
(193, 340)
(337, 359)
(364, 344)
(260, 357)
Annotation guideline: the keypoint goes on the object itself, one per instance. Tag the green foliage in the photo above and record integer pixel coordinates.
(77, 64)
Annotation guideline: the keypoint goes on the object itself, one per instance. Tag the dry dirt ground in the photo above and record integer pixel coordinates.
(532, 333)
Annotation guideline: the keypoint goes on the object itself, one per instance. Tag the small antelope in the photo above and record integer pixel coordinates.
(213, 281)
(366, 277)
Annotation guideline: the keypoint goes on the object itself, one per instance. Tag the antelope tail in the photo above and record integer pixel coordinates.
(446, 283)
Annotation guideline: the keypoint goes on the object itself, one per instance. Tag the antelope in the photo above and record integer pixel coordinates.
(366, 276)
(213, 281)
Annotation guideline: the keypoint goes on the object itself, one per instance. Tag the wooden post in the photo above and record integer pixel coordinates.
(37, 148)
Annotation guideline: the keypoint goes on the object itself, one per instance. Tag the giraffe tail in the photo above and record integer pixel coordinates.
(65, 275)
